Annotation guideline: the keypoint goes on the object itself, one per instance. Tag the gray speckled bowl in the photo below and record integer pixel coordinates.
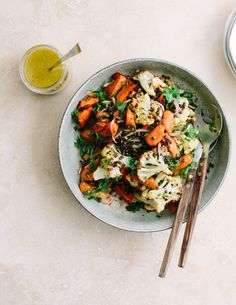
(69, 157)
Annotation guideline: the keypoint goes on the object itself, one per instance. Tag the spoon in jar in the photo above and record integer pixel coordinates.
(74, 51)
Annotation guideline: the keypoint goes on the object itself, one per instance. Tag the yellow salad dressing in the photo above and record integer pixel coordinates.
(37, 68)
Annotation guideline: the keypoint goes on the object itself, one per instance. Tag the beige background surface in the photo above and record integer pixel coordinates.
(52, 252)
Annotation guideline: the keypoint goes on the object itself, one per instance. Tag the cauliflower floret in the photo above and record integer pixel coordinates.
(147, 111)
(111, 163)
(100, 173)
(189, 145)
(163, 151)
(185, 114)
(145, 78)
(109, 172)
(169, 189)
(106, 198)
(151, 164)
(186, 143)
(158, 83)
(156, 110)
(110, 152)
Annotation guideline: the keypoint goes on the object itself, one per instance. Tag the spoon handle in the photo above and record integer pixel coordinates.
(193, 209)
(74, 51)
(187, 192)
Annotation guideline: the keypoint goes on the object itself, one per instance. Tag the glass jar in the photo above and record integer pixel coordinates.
(59, 84)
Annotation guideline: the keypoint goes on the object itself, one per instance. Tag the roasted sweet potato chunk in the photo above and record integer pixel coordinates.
(155, 136)
(116, 85)
(126, 91)
(84, 115)
(130, 119)
(88, 101)
(168, 120)
(85, 186)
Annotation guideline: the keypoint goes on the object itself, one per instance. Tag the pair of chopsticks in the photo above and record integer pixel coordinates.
(192, 193)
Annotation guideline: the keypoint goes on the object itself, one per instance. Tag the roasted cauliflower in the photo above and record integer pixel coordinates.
(151, 164)
(111, 163)
(169, 189)
(146, 110)
(186, 114)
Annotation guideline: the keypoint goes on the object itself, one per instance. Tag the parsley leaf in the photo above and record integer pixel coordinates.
(187, 94)
(191, 132)
(171, 162)
(184, 171)
(101, 105)
(100, 93)
(135, 206)
(97, 135)
(74, 115)
(102, 187)
(84, 147)
(132, 163)
(121, 107)
(171, 93)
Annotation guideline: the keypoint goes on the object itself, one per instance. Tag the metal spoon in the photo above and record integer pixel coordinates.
(207, 136)
(74, 51)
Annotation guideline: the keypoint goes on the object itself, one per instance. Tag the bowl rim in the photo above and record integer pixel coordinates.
(139, 59)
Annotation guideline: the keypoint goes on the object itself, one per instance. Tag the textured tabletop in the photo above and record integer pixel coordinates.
(52, 252)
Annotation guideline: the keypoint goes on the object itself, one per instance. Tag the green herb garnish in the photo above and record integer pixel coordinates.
(187, 94)
(102, 187)
(184, 171)
(132, 163)
(171, 93)
(135, 206)
(101, 105)
(84, 147)
(172, 162)
(121, 107)
(74, 115)
(191, 132)
(100, 93)
(105, 162)
(97, 136)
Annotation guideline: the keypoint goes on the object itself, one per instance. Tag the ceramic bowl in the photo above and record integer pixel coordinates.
(118, 216)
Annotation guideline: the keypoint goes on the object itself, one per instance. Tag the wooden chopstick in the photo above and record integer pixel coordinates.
(193, 209)
(186, 194)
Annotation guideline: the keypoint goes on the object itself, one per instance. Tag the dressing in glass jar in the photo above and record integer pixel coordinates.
(36, 74)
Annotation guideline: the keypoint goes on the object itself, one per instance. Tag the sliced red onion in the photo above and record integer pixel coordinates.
(127, 101)
(113, 138)
(162, 107)
(177, 108)
(136, 131)
(118, 134)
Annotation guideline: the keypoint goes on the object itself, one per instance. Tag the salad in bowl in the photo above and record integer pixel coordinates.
(137, 139)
